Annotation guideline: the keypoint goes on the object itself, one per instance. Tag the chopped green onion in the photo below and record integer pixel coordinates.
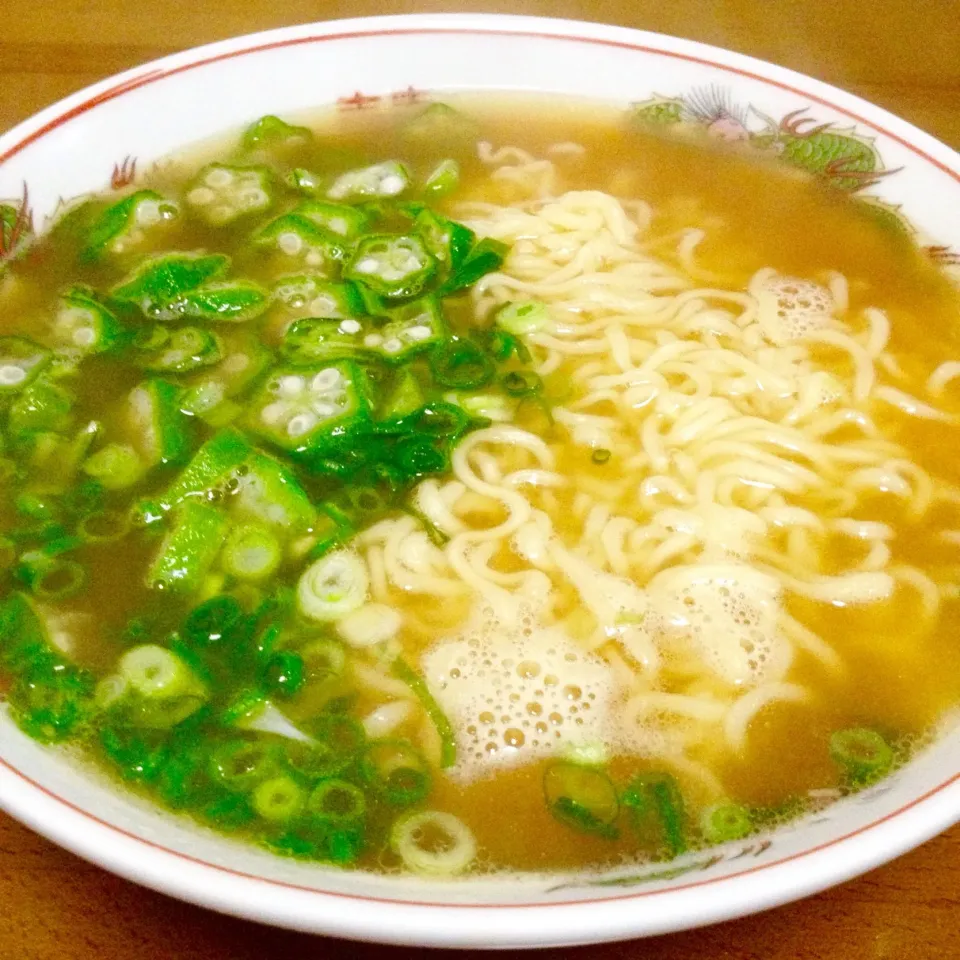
(157, 673)
(241, 765)
(396, 771)
(601, 455)
(213, 622)
(864, 755)
(56, 579)
(333, 586)
(488, 255)
(522, 383)
(337, 802)
(251, 552)
(51, 699)
(657, 807)
(323, 659)
(448, 738)
(284, 673)
(278, 799)
(462, 365)
(582, 797)
(725, 821)
(523, 317)
(433, 843)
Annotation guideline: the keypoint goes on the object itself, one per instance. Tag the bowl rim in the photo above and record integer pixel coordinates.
(461, 924)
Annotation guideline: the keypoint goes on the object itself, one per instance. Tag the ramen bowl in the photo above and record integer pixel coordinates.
(102, 133)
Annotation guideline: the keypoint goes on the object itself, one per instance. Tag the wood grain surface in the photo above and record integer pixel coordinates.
(902, 55)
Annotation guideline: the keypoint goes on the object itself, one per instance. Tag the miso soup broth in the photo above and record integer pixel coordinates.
(493, 485)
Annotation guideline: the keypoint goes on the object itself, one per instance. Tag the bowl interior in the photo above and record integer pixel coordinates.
(400, 63)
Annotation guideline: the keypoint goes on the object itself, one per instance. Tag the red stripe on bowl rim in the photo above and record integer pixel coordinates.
(155, 75)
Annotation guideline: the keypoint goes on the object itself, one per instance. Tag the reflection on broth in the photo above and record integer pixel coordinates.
(444, 489)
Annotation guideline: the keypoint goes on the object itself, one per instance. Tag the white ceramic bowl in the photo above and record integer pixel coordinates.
(73, 147)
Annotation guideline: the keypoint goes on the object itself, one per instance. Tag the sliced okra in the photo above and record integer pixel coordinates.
(211, 466)
(267, 491)
(310, 341)
(300, 409)
(83, 324)
(338, 218)
(309, 296)
(159, 428)
(223, 193)
(127, 224)
(189, 548)
(388, 179)
(158, 286)
(179, 350)
(21, 361)
(415, 328)
(225, 301)
(271, 131)
(300, 237)
(393, 266)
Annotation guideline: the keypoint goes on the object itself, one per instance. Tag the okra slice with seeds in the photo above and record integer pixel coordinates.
(267, 491)
(310, 296)
(223, 193)
(416, 328)
(21, 362)
(159, 429)
(345, 221)
(158, 286)
(393, 266)
(297, 236)
(450, 242)
(299, 408)
(310, 341)
(388, 179)
(127, 225)
(84, 324)
(178, 350)
(233, 302)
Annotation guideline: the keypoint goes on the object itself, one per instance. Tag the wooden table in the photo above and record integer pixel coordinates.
(903, 55)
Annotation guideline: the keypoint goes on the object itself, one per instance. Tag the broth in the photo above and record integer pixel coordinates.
(284, 677)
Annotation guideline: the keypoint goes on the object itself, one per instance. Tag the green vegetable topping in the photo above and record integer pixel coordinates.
(862, 753)
(21, 361)
(222, 193)
(395, 267)
(725, 821)
(582, 797)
